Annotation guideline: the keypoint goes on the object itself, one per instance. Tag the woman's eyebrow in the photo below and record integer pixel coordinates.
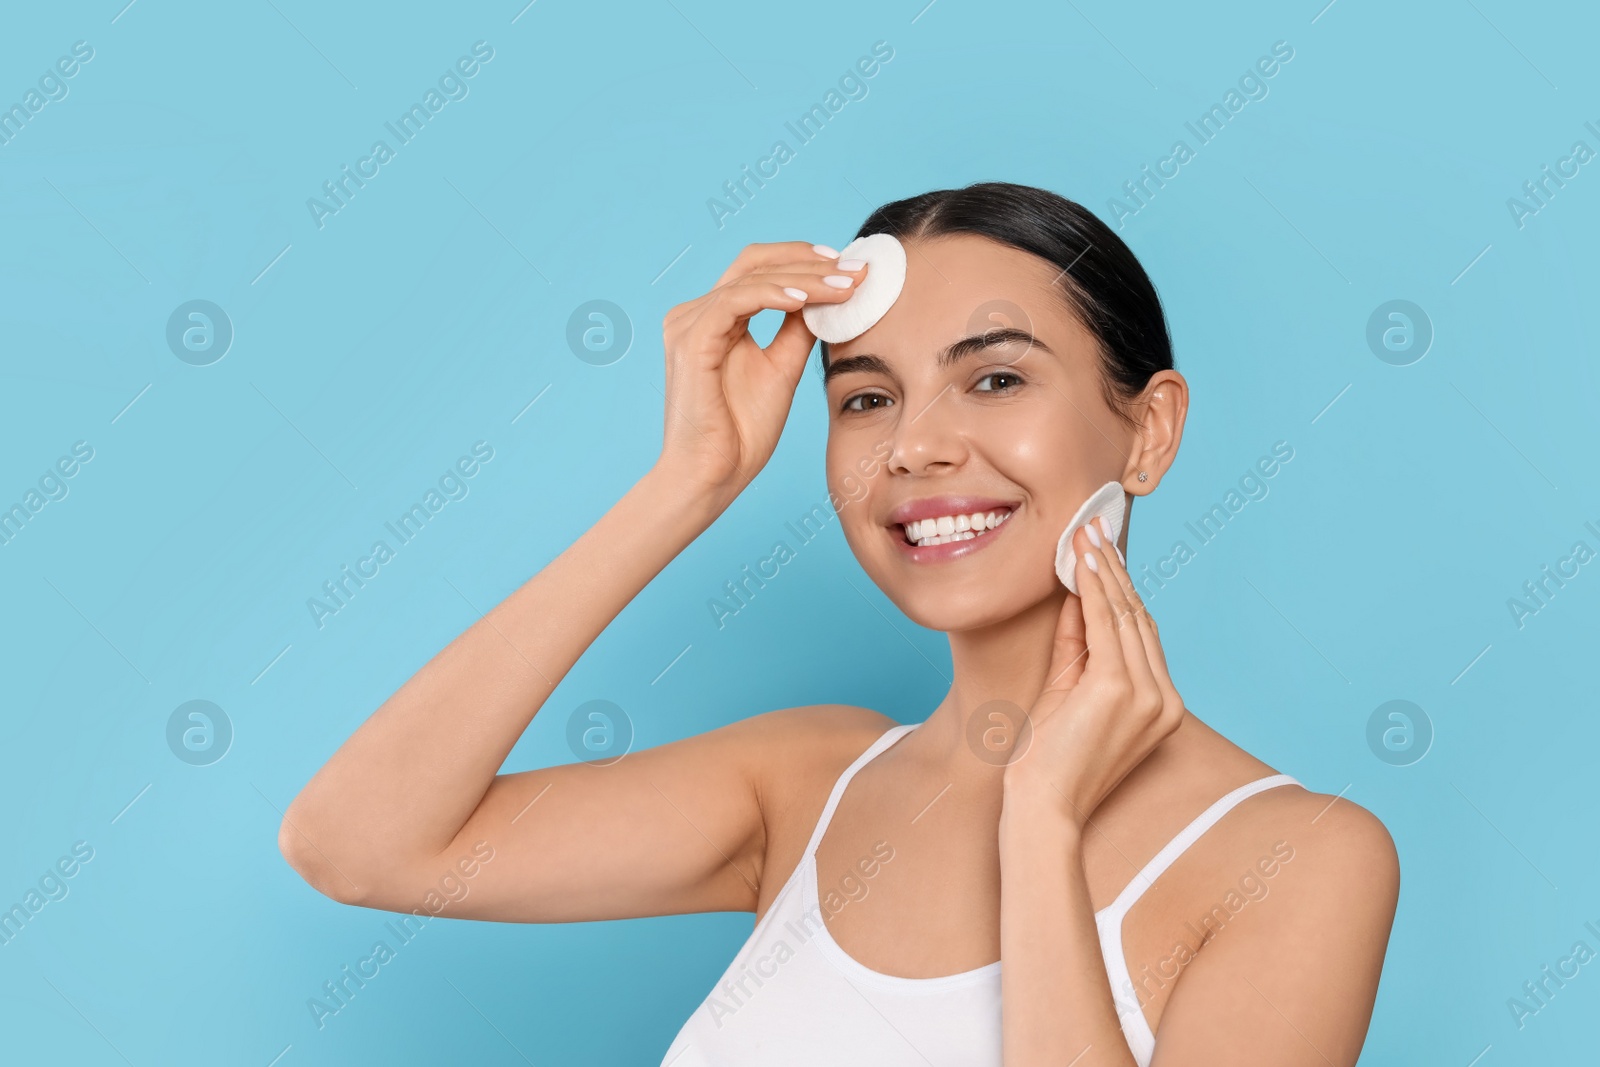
(1003, 335)
(863, 364)
(867, 363)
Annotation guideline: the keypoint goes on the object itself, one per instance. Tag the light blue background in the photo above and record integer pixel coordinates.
(371, 353)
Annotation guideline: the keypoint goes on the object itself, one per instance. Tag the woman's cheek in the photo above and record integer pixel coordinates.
(1045, 458)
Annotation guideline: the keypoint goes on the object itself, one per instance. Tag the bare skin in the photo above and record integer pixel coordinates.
(717, 822)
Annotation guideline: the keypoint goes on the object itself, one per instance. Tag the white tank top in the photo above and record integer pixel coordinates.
(793, 998)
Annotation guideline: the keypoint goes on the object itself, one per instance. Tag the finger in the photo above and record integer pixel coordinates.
(755, 257)
(810, 273)
(1068, 650)
(1129, 639)
(728, 312)
(1147, 629)
(1146, 670)
(1129, 593)
(821, 287)
(791, 346)
(852, 266)
(699, 349)
(1100, 627)
(792, 343)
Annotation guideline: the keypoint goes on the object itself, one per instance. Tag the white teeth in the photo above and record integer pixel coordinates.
(947, 528)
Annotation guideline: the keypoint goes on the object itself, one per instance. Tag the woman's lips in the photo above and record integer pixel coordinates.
(949, 550)
(931, 507)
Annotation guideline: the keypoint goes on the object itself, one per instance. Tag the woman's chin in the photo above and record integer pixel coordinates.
(955, 614)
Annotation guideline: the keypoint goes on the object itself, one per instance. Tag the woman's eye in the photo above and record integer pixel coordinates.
(866, 402)
(1011, 382)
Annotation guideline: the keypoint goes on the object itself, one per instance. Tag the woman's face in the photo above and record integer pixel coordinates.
(1010, 429)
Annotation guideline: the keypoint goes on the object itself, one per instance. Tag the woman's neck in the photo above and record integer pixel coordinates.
(1006, 661)
(1004, 664)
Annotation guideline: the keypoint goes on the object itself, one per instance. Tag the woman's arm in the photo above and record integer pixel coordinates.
(1107, 703)
(1057, 1005)
(386, 814)
(1292, 988)
(413, 794)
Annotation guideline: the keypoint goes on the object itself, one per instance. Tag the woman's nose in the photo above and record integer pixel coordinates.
(927, 438)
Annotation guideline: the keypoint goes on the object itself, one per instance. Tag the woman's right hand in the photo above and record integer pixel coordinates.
(727, 398)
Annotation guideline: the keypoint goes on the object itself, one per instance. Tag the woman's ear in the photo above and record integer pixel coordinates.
(1160, 412)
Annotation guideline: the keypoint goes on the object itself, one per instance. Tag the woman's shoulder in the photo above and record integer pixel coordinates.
(813, 737)
(797, 754)
(1304, 880)
(1345, 846)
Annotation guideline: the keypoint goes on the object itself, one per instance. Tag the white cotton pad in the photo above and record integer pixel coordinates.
(886, 276)
(1109, 501)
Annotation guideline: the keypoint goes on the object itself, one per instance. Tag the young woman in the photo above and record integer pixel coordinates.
(1060, 814)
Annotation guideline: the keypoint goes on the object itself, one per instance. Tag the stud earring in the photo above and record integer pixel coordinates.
(1143, 477)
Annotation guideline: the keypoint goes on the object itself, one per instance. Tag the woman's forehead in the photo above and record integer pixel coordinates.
(963, 286)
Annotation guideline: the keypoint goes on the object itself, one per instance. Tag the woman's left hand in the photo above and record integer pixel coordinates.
(1108, 700)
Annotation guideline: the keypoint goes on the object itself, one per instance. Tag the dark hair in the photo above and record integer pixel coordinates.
(1100, 280)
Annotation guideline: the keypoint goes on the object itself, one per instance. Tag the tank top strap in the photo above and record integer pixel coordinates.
(887, 738)
(1186, 837)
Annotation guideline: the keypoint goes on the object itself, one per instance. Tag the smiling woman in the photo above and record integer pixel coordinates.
(1025, 418)
(1060, 815)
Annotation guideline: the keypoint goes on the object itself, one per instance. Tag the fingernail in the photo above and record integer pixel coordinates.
(839, 281)
(1094, 535)
(824, 250)
(1105, 524)
(1120, 556)
(798, 294)
(1088, 557)
(851, 264)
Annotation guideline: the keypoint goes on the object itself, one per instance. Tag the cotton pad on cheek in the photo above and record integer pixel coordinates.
(885, 257)
(1108, 502)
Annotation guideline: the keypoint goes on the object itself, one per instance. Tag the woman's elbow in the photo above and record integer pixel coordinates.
(311, 863)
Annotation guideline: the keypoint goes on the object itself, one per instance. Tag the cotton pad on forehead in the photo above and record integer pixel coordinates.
(1108, 501)
(886, 276)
